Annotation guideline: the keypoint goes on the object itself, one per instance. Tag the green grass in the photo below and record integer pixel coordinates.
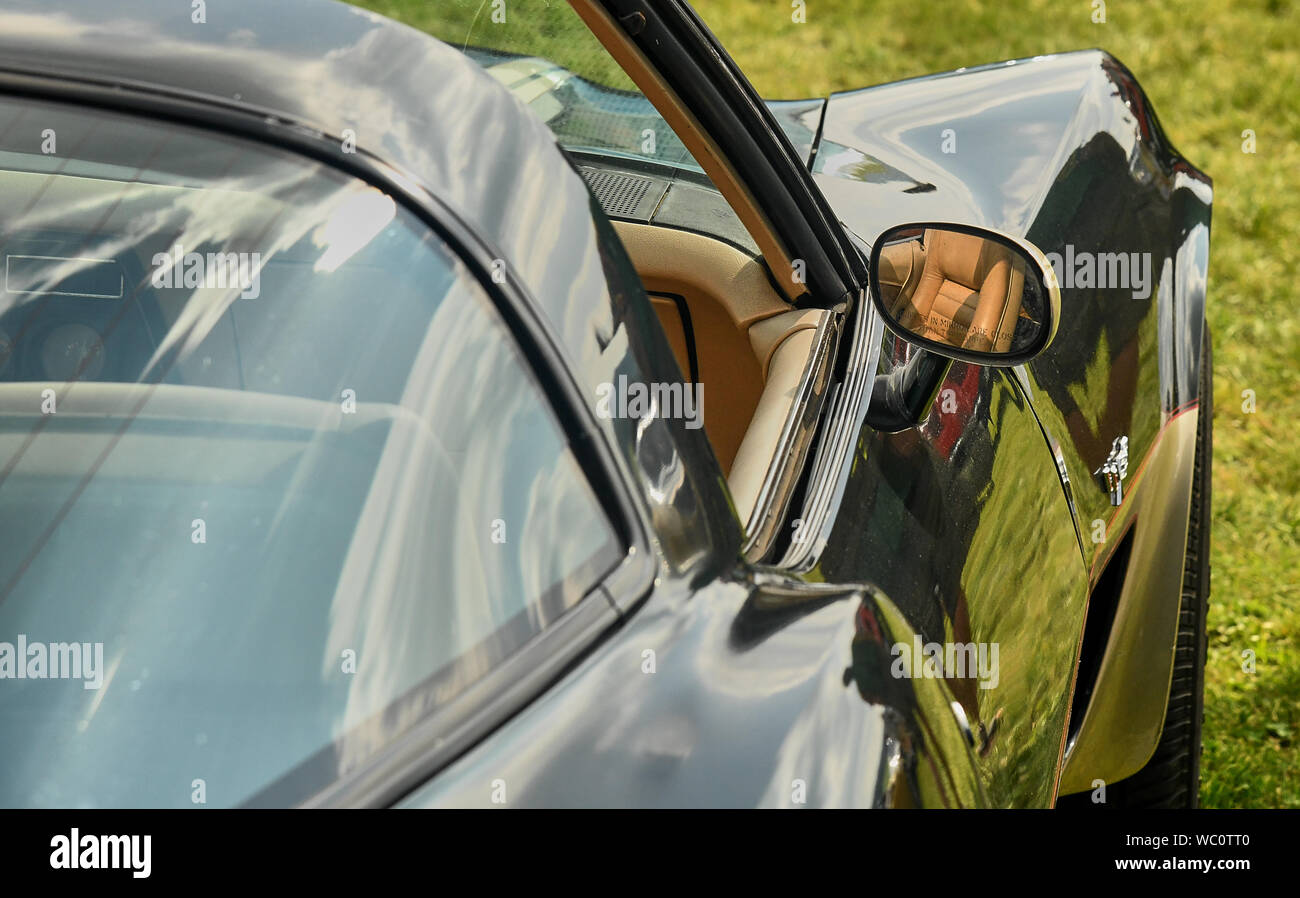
(1212, 69)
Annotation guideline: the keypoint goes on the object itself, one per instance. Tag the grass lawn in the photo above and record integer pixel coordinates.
(1212, 69)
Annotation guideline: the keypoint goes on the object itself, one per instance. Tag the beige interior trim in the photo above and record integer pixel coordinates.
(754, 352)
(726, 291)
(791, 357)
(671, 319)
(697, 141)
(769, 334)
(683, 262)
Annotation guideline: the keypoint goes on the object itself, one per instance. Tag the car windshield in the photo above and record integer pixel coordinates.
(275, 484)
(638, 168)
(546, 56)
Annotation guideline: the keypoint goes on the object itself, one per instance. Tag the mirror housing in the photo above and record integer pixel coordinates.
(965, 292)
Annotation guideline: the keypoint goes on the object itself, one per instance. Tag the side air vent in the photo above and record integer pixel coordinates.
(1102, 606)
(624, 196)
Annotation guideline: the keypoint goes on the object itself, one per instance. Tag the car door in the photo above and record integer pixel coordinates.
(963, 523)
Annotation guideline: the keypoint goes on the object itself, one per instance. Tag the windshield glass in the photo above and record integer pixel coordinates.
(275, 484)
(545, 54)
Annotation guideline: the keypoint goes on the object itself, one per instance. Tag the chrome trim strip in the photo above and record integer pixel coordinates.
(795, 441)
(833, 461)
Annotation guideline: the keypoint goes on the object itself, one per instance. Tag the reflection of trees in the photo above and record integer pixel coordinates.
(551, 31)
(923, 751)
(962, 523)
(1094, 207)
(839, 161)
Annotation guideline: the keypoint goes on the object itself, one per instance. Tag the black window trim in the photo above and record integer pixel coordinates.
(441, 737)
(691, 61)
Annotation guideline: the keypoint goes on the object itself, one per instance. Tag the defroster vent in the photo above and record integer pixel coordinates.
(624, 196)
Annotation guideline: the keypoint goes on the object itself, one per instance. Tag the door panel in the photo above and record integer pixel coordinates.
(964, 523)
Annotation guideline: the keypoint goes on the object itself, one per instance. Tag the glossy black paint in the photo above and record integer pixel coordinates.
(1062, 150)
(728, 683)
(901, 399)
(759, 694)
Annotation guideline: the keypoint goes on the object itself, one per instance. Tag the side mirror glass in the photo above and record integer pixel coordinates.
(965, 292)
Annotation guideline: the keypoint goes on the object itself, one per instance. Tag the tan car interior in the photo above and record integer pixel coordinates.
(954, 288)
(751, 346)
(687, 128)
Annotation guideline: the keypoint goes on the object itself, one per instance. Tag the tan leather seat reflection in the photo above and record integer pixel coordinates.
(968, 292)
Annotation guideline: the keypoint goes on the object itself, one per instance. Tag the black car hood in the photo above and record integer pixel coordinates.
(980, 145)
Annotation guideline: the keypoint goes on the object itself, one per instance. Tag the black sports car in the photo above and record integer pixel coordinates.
(534, 416)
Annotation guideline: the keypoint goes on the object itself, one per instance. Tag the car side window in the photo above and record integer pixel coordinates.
(269, 451)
